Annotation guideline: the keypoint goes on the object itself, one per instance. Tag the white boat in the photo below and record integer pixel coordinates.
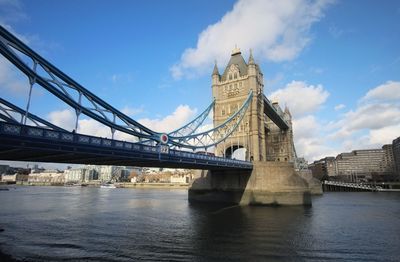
(108, 185)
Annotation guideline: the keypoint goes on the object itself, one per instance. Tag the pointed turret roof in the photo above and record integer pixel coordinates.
(215, 71)
(236, 59)
(287, 111)
(251, 59)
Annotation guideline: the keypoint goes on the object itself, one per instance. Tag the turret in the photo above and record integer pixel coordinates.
(251, 59)
(215, 74)
(215, 80)
(252, 68)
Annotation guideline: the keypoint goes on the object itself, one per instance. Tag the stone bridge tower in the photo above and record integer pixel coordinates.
(266, 134)
(261, 138)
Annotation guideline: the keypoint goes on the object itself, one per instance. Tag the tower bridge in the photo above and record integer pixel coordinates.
(243, 119)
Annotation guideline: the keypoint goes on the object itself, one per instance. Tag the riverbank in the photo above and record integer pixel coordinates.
(117, 185)
(153, 185)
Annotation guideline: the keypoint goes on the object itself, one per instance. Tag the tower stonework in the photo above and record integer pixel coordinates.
(262, 139)
(273, 179)
(230, 90)
(279, 143)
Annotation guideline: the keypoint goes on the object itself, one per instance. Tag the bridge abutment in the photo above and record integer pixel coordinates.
(269, 183)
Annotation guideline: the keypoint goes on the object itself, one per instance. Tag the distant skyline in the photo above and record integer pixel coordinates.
(335, 64)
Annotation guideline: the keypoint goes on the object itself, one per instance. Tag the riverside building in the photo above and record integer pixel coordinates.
(396, 156)
(358, 165)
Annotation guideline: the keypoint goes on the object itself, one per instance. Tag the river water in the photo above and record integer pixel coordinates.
(95, 224)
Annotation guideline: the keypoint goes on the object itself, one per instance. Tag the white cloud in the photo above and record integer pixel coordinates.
(372, 116)
(63, 118)
(300, 97)
(93, 128)
(309, 140)
(339, 107)
(182, 115)
(387, 91)
(10, 81)
(374, 122)
(384, 135)
(275, 30)
(66, 119)
(131, 111)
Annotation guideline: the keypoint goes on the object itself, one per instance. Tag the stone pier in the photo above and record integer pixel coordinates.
(269, 183)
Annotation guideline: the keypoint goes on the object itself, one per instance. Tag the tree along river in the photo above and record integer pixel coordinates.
(96, 224)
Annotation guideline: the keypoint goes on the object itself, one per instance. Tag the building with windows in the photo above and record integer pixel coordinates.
(359, 165)
(367, 164)
(82, 174)
(324, 168)
(46, 177)
(261, 139)
(396, 156)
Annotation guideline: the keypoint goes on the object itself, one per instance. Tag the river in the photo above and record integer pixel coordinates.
(95, 224)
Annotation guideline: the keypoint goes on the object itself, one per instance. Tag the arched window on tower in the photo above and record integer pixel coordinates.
(230, 76)
(235, 76)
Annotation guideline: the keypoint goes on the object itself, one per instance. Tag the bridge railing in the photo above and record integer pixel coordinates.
(19, 130)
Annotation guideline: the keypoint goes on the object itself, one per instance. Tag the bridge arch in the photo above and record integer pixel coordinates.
(236, 152)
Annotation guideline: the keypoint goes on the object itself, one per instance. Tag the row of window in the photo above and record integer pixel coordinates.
(231, 109)
(235, 76)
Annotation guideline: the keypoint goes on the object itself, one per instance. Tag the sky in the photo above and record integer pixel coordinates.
(335, 64)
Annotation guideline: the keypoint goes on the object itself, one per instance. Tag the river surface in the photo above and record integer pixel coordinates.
(95, 224)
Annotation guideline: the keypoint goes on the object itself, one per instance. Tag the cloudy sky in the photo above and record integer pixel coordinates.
(335, 64)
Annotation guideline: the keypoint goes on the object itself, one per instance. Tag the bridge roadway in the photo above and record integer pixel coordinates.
(27, 143)
(274, 115)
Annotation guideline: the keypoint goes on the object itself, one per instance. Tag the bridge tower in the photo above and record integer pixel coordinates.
(266, 134)
(257, 134)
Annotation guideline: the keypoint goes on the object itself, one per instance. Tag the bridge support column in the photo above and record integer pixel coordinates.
(269, 183)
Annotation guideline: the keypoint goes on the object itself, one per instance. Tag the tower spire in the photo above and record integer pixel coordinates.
(215, 71)
(251, 59)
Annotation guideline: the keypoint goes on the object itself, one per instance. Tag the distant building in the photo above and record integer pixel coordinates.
(181, 178)
(367, 164)
(74, 175)
(324, 168)
(79, 175)
(396, 156)
(13, 178)
(47, 176)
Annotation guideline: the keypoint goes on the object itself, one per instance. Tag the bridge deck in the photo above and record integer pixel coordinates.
(272, 113)
(27, 143)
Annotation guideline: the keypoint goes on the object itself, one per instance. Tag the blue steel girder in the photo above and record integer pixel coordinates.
(274, 115)
(62, 86)
(9, 112)
(28, 143)
(217, 134)
(190, 127)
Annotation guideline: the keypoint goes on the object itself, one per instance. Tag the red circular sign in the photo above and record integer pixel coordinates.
(164, 138)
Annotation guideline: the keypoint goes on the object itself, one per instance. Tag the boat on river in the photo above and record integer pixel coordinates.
(107, 185)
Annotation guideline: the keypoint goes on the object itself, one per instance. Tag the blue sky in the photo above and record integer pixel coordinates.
(336, 64)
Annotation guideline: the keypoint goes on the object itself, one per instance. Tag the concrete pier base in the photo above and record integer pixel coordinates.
(269, 183)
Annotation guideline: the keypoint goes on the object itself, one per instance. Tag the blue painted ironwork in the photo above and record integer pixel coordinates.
(65, 88)
(217, 134)
(190, 127)
(28, 143)
(9, 113)
(75, 95)
(275, 115)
